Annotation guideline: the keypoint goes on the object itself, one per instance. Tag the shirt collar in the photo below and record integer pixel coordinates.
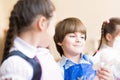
(67, 62)
(64, 60)
(24, 47)
(43, 51)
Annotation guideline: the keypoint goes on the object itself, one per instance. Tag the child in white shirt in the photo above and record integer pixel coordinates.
(108, 53)
(31, 29)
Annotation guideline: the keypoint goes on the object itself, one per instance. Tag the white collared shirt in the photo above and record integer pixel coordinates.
(19, 69)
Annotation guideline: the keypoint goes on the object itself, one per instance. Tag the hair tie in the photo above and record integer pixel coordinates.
(97, 51)
(107, 21)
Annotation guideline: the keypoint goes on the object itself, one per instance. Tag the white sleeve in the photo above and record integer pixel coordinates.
(16, 68)
(12, 77)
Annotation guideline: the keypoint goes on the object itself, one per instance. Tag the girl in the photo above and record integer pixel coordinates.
(26, 56)
(108, 51)
(70, 36)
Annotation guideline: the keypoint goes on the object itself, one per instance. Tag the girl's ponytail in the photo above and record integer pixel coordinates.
(11, 34)
(103, 34)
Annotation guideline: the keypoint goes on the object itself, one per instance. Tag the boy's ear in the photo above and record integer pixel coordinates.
(41, 23)
(60, 44)
(108, 37)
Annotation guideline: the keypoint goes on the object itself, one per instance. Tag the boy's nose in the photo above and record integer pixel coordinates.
(77, 39)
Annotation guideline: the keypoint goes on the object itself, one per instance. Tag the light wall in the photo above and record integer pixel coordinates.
(91, 12)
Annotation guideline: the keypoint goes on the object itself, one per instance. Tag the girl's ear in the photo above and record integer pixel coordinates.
(41, 23)
(108, 37)
(60, 44)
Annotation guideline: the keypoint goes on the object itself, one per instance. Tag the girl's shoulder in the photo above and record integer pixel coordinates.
(14, 63)
(16, 66)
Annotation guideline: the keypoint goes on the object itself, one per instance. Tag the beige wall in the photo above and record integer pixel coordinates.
(91, 12)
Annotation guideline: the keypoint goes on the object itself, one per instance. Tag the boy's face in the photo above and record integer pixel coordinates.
(73, 43)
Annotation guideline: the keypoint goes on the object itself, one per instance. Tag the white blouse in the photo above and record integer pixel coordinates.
(108, 56)
(17, 68)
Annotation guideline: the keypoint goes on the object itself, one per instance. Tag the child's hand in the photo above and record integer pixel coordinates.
(105, 74)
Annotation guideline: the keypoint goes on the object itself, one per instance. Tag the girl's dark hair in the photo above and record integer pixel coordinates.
(22, 16)
(68, 25)
(108, 27)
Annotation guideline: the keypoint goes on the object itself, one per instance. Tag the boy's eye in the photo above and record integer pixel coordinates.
(83, 37)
